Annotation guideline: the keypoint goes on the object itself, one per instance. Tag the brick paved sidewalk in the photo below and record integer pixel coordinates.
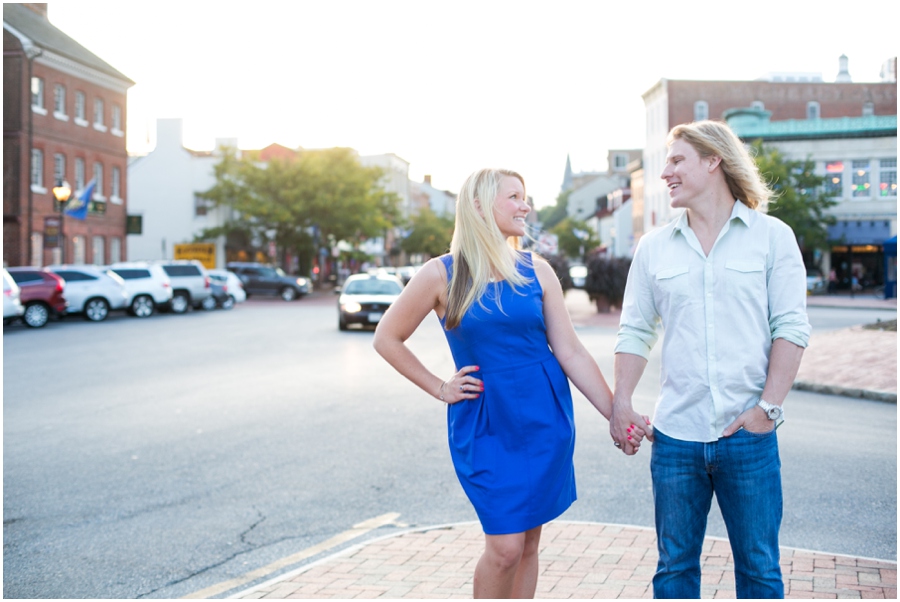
(578, 560)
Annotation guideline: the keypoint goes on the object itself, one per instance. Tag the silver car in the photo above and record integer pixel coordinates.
(148, 286)
(91, 290)
(12, 302)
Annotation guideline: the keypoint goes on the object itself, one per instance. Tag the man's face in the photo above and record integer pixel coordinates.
(687, 174)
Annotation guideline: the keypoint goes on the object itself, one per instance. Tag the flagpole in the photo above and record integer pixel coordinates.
(61, 192)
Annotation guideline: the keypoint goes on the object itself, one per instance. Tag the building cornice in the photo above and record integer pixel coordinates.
(66, 65)
(31, 50)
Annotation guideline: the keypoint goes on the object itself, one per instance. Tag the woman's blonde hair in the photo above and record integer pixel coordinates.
(714, 138)
(478, 247)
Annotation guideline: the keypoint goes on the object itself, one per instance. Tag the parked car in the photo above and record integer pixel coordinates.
(261, 279)
(578, 274)
(190, 283)
(148, 286)
(365, 297)
(227, 288)
(42, 295)
(12, 304)
(815, 283)
(91, 290)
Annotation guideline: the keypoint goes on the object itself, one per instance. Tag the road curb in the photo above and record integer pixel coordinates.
(883, 396)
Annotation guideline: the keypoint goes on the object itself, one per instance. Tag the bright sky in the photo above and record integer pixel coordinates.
(454, 86)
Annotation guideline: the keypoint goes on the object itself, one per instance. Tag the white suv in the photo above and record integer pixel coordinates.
(190, 283)
(91, 290)
(148, 286)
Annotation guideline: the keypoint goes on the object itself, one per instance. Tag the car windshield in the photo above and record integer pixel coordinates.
(372, 287)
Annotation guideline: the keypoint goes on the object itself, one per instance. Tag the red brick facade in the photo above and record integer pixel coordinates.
(786, 100)
(25, 207)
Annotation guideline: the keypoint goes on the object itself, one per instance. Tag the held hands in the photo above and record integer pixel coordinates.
(753, 420)
(461, 386)
(628, 428)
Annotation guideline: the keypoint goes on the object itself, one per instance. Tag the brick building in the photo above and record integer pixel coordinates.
(805, 96)
(63, 120)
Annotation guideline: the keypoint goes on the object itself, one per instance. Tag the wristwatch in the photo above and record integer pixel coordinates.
(773, 411)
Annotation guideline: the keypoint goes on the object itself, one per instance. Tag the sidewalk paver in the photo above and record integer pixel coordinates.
(578, 560)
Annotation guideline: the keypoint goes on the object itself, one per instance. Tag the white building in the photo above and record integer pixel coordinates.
(163, 188)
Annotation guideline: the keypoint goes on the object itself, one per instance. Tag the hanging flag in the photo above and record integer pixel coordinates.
(78, 206)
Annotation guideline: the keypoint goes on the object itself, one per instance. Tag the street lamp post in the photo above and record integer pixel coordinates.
(61, 192)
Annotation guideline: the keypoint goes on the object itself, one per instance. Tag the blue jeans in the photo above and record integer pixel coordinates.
(744, 471)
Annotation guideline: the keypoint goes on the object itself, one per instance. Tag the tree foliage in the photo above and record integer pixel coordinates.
(552, 215)
(575, 237)
(321, 193)
(429, 235)
(800, 200)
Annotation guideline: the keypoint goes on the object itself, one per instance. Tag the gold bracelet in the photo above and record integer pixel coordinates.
(441, 392)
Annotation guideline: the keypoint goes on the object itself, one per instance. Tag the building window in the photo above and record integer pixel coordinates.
(812, 110)
(701, 110)
(868, 109)
(37, 170)
(59, 102)
(834, 178)
(888, 184)
(620, 161)
(758, 105)
(97, 202)
(59, 168)
(79, 174)
(115, 185)
(78, 249)
(115, 250)
(861, 178)
(37, 95)
(97, 250)
(117, 120)
(201, 205)
(80, 109)
(98, 115)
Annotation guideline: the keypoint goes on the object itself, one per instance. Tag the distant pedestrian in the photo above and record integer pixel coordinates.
(727, 283)
(509, 407)
(832, 281)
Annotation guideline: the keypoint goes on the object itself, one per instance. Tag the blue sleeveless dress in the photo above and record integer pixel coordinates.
(512, 447)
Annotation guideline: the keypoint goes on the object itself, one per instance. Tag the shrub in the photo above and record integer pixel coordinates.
(605, 282)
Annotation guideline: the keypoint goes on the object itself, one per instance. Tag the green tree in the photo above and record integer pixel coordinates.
(324, 193)
(430, 234)
(551, 215)
(800, 200)
(575, 237)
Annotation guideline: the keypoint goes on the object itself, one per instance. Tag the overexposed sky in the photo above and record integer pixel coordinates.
(454, 86)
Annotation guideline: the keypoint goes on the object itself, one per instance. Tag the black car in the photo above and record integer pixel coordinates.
(261, 279)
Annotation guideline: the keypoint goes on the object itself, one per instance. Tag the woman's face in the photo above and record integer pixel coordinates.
(511, 207)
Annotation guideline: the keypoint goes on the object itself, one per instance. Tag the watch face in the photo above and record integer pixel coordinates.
(774, 413)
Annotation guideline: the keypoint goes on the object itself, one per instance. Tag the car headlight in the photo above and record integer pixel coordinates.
(352, 307)
(301, 281)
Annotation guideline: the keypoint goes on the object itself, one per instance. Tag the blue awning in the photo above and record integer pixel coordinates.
(860, 232)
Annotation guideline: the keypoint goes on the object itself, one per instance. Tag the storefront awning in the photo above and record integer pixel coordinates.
(862, 232)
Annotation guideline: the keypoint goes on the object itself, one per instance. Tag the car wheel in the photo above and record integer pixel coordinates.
(36, 315)
(228, 302)
(143, 306)
(96, 309)
(180, 303)
(209, 303)
(288, 293)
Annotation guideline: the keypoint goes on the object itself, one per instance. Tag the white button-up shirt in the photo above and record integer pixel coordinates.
(720, 314)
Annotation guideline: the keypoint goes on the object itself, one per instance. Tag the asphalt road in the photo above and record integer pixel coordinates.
(158, 457)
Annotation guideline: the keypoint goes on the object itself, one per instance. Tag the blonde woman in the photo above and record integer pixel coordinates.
(509, 414)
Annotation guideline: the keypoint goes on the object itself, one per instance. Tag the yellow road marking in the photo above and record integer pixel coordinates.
(357, 530)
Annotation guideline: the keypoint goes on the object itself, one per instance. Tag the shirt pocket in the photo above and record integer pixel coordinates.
(674, 281)
(746, 279)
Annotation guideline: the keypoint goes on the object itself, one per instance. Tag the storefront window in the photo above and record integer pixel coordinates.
(834, 178)
(861, 178)
(888, 185)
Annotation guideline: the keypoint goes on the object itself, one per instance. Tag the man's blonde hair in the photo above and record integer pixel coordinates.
(478, 247)
(715, 138)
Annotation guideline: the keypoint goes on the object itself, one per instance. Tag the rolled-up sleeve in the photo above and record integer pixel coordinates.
(786, 276)
(640, 319)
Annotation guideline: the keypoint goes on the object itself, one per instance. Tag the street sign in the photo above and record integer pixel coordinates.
(204, 252)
